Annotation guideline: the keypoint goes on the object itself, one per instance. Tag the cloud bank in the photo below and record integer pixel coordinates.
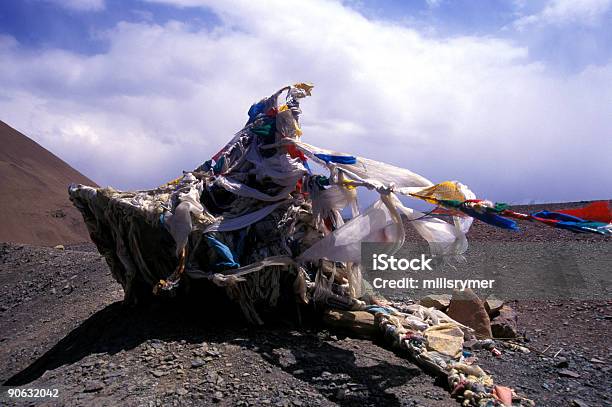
(164, 97)
(560, 12)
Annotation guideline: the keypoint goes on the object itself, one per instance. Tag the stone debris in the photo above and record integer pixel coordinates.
(465, 307)
(569, 373)
(437, 301)
(493, 305)
(93, 386)
(505, 324)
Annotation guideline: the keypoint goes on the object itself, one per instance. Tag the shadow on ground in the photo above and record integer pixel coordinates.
(313, 360)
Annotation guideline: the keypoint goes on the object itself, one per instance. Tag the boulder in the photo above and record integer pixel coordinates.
(493, 305)
(437, 301)
(505, 325)
(465, 307)
(358, 323)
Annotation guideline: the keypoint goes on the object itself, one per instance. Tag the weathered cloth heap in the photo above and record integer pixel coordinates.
(435, 342)
(256, 214)
(256, 220)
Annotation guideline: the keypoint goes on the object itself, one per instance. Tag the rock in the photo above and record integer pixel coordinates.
(579, 403)
(282, 403)
(93, 386)
(505, 325)
(569, 373)
(88, 363)
(437, 301)
(217, 397)
(197, 363)
(360, 323)
(562, 362)
(493, 305)
(59, 247)
(465, 307)
(157, 373)
(599, 361)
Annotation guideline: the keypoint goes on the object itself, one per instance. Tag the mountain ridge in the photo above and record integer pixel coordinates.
(34, 182)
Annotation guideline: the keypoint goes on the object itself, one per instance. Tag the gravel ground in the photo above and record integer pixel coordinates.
(62, 326)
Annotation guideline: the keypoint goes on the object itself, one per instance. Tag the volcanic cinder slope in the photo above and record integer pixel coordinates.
(35, 208)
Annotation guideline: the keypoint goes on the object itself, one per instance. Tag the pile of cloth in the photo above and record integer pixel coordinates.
(256, 217)
(258, 221)
(435, 342)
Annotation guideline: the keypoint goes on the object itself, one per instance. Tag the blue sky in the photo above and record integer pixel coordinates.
(40, 24)
(512, 98)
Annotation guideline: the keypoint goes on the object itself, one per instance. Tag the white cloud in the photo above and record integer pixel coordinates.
(559, 12)
(80, 5)
(433, 3)
(166, 97)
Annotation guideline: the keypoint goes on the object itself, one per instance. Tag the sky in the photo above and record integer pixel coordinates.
(513, 98)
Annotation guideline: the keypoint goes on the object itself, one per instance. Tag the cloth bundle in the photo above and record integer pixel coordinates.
(256, 221)
(435, 342)
(255, 217)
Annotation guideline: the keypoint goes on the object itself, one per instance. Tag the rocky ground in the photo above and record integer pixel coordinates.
(62, 326)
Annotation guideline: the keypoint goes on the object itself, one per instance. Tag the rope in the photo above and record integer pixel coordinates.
(424, 215)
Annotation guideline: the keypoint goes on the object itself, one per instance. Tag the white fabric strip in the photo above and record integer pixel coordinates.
(229, 224)
(241, 271)
(240, 189)
(370, 169)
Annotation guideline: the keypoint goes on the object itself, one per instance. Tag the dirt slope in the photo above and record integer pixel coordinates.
(35, 208)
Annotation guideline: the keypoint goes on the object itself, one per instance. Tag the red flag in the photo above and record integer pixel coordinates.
(596, 211)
